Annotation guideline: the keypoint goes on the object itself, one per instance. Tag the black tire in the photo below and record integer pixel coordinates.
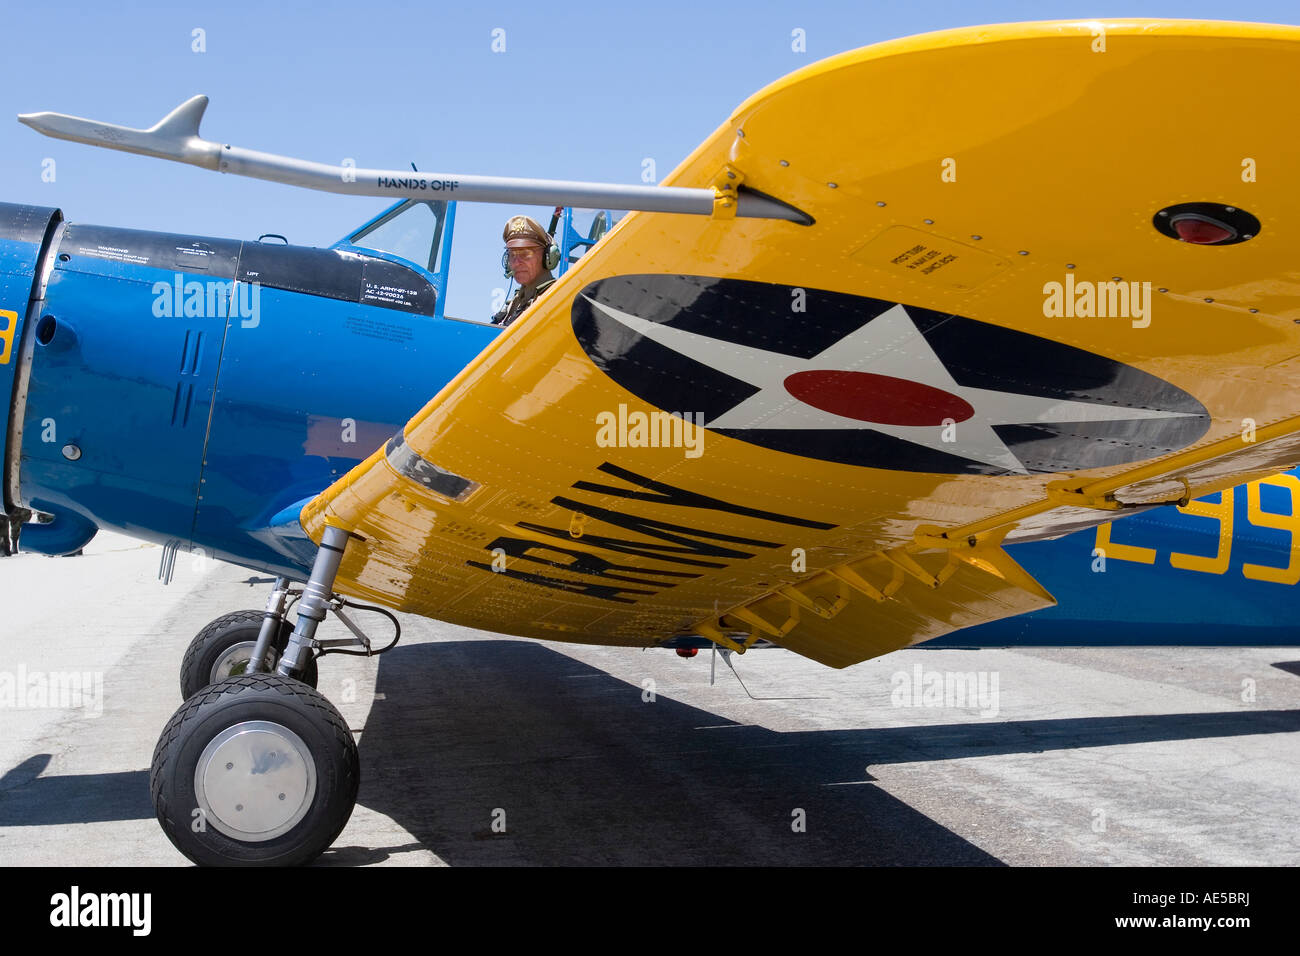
(227, 632)
(283, 703)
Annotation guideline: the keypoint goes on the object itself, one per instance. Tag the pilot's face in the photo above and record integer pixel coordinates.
(526, 263)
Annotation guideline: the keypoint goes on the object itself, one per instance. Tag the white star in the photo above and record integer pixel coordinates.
(889, 345)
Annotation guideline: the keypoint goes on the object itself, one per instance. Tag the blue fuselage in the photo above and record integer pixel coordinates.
(1222, 571)
(185, 389)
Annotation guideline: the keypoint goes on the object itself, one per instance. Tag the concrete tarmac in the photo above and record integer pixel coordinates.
(608, 756)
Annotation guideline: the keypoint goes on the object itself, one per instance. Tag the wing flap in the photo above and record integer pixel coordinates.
(863, 609)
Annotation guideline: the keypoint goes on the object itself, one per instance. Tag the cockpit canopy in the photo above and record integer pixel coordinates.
(419, 233)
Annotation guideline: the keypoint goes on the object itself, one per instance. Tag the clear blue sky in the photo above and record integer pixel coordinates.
(582, 91)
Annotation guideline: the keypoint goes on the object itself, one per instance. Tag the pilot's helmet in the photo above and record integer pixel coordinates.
(525, 231)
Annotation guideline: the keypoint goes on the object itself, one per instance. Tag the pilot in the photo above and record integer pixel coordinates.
(530, 256)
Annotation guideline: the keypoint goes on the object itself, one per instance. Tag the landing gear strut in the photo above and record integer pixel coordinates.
(257, 768)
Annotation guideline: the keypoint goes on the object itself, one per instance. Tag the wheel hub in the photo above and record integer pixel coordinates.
(255, 781)
(234, 661)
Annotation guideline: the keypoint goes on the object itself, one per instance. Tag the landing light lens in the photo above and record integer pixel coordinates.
(1202, 231)
(1206, 223)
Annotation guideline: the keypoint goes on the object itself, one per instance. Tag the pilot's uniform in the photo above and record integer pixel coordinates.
(522, 299)
(525, 231)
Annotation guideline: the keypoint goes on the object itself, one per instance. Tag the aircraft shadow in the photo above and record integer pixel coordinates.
(29, 799)
(582, 771)
(585, 772)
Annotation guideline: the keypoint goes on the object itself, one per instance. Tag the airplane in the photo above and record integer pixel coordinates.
(907, 311)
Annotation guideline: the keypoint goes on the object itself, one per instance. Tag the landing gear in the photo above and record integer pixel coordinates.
(224, 647)
(257, 768)
(254, 770)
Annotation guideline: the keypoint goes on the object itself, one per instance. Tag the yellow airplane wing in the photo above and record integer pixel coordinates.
(1049, 277)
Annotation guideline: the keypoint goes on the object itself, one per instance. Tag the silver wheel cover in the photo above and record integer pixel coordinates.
(255, 781)
(234, 661)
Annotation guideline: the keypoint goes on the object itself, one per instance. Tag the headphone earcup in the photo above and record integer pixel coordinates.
(505, 264)
(552, 258)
